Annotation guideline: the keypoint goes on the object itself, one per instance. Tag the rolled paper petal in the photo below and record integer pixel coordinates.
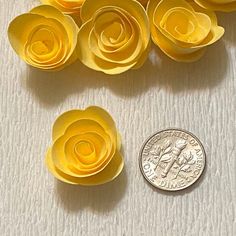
(182, 29)
(112, 170)
(44, 38)
(77, 129)
(115, 35)
(218, 5)
(94, 113)
(66, 6)
(85, 147)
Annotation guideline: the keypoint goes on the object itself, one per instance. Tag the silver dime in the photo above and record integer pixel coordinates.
(172, 159)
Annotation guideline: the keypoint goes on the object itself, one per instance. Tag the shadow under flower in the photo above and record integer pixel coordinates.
(101, 198)
(227, 21)
(51, 88)
(206, 73)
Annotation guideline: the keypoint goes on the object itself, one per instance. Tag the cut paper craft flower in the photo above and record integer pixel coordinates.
(66, 6)
(182, 29)
(218, 5)
(44, 38)
(86, 148)
(114, 36)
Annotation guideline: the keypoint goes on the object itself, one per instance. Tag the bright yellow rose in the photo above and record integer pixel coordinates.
(66, 6)
(86, 148)
(218, 5)
(44, 38)
(114, 36)
(182, 29)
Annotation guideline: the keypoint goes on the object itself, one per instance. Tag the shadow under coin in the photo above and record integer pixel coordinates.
(101, 198)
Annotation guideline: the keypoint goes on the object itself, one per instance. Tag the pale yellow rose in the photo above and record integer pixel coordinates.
(182, 29)
(44, 38)
(66, 6)
(114, 36)
(86, 148)
(218, 5)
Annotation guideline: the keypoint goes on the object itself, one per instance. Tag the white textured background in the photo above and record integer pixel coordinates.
(199, 97)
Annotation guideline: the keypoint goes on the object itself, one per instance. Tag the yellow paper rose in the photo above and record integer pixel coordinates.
(218, 5)
(182, 29)
(66, 6)
(86, 148)
(44, 38)
(114, 36)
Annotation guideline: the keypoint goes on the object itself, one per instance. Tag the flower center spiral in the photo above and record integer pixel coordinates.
(84, 149)
(42, 42)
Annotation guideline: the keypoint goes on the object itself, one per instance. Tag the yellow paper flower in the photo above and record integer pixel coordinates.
(182, 29)
(44, 38)
(66, 6)
(218, 5)
(114, 36)
(86, 148)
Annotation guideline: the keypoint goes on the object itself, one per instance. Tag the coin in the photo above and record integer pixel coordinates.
(172, 159)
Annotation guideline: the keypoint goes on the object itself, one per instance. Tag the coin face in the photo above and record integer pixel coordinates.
(172, 159)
